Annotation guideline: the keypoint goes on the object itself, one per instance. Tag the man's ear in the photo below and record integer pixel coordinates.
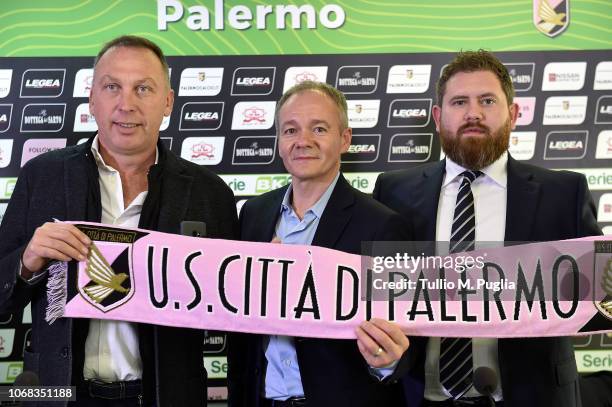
(347, 135)
(513, 110)
(436, 112)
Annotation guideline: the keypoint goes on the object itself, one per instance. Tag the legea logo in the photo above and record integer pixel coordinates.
(251, 81)
(564, 76)
(201, 82)
(83, 120)
(298, 74)
(603, 114)
(409, 79)
(83, 81)
(6, 150)
(566, 145)
(522, 144)
(363, 114)
(560, 110)
(253, 115)
(364, 148)
(409, 113)
(5, 82)
(201, 115)
(526, 110)
(5, 117)
(42, 83)
(36, 147)
(203, 150)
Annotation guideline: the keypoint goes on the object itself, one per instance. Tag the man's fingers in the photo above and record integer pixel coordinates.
(381, 338)
(392, 330)
(70, 235)
(374, 354)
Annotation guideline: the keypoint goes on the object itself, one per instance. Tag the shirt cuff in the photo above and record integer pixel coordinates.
(381, 373)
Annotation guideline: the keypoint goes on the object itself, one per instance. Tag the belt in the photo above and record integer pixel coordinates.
(114, 390)
(463, 402)
(290, 402)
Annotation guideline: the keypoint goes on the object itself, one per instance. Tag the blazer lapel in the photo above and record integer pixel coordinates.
(76, 184)
(175, 195)
(269, 215)
(336, 215)
(426, 196)
(522, 200)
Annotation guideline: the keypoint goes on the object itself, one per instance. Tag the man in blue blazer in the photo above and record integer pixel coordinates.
(322, 209)
(512, 201)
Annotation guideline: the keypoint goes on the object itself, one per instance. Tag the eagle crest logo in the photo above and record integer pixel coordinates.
(605, 306)
(551, 17)
(107, 284)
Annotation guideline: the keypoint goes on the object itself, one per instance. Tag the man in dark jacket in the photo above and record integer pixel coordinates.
(125, 177)
(322, 209)
(480, 193)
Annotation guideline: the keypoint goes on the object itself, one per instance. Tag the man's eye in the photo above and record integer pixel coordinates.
(111, 86)
(143, 89)
(320, 129)
(289, 131)
(458, 102)
(488, 101)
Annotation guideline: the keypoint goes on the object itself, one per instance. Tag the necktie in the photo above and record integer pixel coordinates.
(456, 365)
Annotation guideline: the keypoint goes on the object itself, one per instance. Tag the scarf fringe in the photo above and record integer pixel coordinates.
(56, 291)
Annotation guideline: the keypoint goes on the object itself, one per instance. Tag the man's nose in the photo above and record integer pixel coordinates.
(305, 138)
(473, 112)
(127, 100)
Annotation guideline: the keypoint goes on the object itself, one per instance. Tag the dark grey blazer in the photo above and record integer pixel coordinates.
(542, 205)
(57, 185)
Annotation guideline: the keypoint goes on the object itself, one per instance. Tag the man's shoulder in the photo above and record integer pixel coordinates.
(200, 173)
(53, 160)
(545, 175)
(266, 199)
(409, 173)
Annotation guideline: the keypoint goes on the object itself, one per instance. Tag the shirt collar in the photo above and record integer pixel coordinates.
(95, 150)
(496, 171)
(318, 208)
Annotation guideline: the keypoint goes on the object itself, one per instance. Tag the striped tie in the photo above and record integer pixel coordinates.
(456, 353)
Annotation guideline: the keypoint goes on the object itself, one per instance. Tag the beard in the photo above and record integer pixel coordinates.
(475, 153)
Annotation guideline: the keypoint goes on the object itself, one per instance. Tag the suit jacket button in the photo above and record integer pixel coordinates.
(65, 352)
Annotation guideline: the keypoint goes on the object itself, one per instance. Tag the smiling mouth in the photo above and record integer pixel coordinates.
(127, 125)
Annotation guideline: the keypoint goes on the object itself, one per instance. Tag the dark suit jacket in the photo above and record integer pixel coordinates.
(57, 185)
(542, 205)
(333, 372)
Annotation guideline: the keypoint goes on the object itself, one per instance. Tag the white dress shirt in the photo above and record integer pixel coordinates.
(490, 193)
(112, 351)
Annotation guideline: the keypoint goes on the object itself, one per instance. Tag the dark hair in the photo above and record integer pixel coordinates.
(133, 41)
(333, 93)
(472, 61)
